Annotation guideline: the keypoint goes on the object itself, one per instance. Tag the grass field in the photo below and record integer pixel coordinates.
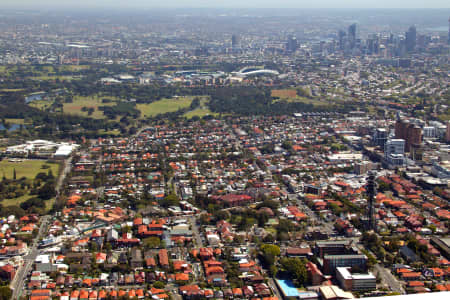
(89, 102)
(199, 112)
(10, 90)
(53, 77)
(109, 132)
(74, 68)
(163, 106)
(289, 95)
(17, 201)
(27, 168)
(315, 102)
(15, 121)
(40, 104)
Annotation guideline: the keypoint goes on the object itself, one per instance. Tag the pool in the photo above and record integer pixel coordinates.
(287, 288)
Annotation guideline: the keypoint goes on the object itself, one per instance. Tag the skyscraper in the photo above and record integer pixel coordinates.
(411, 38)
(352, 35)
(291, 45)
(234, 41)
(341, 35)
(411, 133)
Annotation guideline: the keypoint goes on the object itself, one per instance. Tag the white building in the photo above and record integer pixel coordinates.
(394, 152)
(355, 282)
(429, 132)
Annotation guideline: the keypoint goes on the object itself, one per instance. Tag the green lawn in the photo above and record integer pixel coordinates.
(315, 102)
(199, 112)
(15, 121)
(92, 101)
(109, 132)
(163, 106)
(41, 104)
(27, 168)
(20, 200)
(53, 77)
(74, 68)
(10, 90)
(15, 201)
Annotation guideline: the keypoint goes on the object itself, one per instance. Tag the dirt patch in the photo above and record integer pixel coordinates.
(284, 93)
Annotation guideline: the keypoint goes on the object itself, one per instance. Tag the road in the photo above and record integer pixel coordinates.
(19, 280)
(196, 232)
(389, 279)
(274, 288)
(386, 276)
(62, 177)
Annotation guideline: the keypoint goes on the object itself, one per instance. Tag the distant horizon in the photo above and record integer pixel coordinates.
(230, 4)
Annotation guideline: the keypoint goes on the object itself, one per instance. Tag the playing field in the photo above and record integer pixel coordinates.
(15, 121)
(54, 77)
(289, 95)
(26, 168)
(163, 106)
(199, 112)
(75, 108)
(40, 104)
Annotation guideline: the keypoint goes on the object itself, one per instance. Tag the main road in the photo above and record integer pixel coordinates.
(19, 280)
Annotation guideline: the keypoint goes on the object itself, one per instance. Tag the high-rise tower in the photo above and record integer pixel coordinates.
(235, 41)
(352, 35)
(411, 38)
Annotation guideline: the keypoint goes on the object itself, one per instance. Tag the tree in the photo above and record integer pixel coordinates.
(383, 186)
(5, 293)
(269, 253)
(14, 174)
(152, 242)
(285, 225)
(170, 200)
(47, 191)
(296, 268)
(158, 285)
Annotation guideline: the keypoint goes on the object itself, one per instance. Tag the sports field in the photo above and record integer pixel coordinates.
(26, 168)
(164, 106)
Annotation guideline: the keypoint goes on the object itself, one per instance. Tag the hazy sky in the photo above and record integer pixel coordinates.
(230, 3)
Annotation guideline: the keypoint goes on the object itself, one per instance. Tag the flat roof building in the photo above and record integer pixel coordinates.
(355, 282)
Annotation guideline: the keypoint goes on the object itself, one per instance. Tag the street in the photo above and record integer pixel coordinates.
(389, 279)
(18, 283)
(196, 232)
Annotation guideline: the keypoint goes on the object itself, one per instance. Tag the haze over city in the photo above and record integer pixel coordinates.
(345, 4)
(224, 150)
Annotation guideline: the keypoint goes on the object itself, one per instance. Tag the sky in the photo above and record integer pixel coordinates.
(226, 3)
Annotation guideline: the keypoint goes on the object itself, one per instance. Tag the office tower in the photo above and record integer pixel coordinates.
(411, 133)
(394, 152)
(411, 38)
(291, 45)
(341, 36)
(235, 41)
(352, 35)
(380, 137)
